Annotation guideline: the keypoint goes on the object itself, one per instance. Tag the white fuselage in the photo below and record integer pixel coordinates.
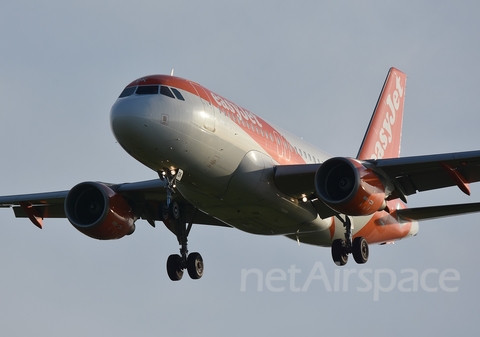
(227, 155)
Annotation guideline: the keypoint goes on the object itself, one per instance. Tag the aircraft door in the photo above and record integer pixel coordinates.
(208, 114)
(278, 141)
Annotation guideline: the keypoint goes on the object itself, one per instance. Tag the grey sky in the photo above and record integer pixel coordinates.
(313, 68)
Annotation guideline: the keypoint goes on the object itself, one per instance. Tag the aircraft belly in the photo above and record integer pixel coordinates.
(253, 204)
(262, 217)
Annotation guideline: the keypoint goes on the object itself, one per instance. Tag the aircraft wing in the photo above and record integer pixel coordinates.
(49, 204)
(144, 196)
(424, 173)
(407, 174)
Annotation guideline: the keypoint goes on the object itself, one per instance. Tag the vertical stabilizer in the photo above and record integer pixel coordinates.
(384, 133)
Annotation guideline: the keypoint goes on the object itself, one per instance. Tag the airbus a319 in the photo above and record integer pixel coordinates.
(222, 165)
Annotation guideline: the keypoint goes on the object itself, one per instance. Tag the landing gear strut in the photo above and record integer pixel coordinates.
(341, 248)
(174, 218)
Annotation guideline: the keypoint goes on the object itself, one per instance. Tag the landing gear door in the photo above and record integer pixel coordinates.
(208, 114)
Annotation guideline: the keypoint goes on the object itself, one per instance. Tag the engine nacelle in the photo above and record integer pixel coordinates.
(98, 212)
(348, 187)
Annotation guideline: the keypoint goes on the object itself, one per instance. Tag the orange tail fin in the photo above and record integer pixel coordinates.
(384, 133)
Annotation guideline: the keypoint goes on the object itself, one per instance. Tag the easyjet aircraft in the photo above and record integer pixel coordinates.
(219, 164)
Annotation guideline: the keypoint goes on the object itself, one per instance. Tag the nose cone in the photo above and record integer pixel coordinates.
(127, 118)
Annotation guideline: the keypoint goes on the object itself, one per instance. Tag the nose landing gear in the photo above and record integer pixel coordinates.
(176, 264)
(175, 219)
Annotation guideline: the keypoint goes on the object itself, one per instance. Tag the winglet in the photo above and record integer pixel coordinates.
(383, 135)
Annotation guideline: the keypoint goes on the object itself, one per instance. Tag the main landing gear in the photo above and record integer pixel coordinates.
(341, 248)
(174, 217)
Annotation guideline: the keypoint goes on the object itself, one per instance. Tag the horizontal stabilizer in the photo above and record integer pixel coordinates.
(432, 212)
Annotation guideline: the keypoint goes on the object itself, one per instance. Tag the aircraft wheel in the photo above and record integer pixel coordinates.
(164, 212)
(195, 265)
(339, 253)
(360, 250)
(174, 270)
(174, 211)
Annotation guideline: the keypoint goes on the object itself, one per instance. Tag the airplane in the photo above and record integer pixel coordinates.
(219, 164)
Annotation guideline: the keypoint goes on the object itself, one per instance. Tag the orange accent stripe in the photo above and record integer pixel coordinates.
(332, 228)
(384, 226)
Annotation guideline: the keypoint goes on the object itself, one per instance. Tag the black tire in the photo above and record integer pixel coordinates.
(174, 211)
(174, 270)
(360, 250)
(339, 253)
(164, 213)
(195, 265)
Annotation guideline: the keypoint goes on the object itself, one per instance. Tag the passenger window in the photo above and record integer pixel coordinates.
(166, 91)
(127, 92)
(177, 94)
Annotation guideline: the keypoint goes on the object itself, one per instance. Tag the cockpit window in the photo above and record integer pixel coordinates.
(178, 94)
(166, 91)
(147, 90)
(127, 92)
(152, 90)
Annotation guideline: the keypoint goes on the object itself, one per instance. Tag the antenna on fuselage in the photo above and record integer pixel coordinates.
(171, 73)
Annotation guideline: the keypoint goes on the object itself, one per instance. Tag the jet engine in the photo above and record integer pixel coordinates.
(348, 187)
(98, 212)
